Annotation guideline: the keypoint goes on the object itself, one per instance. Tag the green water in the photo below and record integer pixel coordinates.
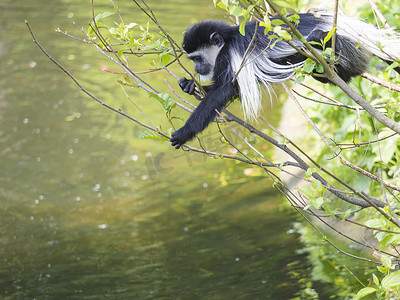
(89, 211)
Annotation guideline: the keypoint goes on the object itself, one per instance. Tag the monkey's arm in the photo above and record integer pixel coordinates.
(205, 112)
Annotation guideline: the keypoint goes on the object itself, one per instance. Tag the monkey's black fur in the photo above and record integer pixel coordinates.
(206, 39)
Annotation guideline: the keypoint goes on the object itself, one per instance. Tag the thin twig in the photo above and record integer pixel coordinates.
(116, 9)
(356, 145)
(381, 82)
(243, 139)
(334, 26)
(349, 237)
(335, 103)
(381, 17)
(354, 276)
(127, 96)
(333, 245)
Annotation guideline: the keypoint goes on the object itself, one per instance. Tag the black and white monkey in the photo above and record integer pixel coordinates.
(218, 49)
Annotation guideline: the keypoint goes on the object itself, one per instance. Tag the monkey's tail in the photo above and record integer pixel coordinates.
(383, 43)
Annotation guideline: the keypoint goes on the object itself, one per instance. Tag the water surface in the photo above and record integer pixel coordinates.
(89, 211)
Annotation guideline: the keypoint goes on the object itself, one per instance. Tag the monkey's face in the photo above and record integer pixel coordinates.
(204, 61)
(202, 65)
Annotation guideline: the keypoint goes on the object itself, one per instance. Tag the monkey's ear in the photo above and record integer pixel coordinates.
(216, 39)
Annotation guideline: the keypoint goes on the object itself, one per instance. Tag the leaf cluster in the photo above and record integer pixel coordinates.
(129, 38)
(389, 285)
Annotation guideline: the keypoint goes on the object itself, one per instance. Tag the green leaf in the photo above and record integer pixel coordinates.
(318, 202)
(166, 101)
(328, 51)
(347, 213)
(295, 18)
(242, 28)
(327, 209)
(309, 173)
(102, 26)
(376, 280)
(364, 292)
(300, 79)
(120, 52)
(266, 23)
(103, 16)
(221, 5)
(385, 151)
(317, 185)
(286, 35)
(389, 239)
(386, 262)
(382, 269)
(165, 57)
(149, 134)
(282, 33)
(307, 191)
(277, 22)
(178, 118)
(329, 35)
(266, 26)
(309, 65)
(374, 223)
(276, 41)
(114, 31)
(250, 8)
(130, 25)
(319, 68)
(314, 43)
(391, 280)
(236, 11)
(380, 236)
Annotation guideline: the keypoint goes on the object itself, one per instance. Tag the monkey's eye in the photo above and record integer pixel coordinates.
(195, 58)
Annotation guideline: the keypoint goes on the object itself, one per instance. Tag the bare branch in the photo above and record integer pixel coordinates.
(388, 85)
(381, 17)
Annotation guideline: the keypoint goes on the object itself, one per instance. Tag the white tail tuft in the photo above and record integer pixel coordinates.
(382, 43)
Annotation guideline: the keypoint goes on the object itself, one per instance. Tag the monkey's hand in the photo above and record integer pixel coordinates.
(188, 86)
(181, 136)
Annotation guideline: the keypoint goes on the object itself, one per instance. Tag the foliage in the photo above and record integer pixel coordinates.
(131, 38)
(389, 285)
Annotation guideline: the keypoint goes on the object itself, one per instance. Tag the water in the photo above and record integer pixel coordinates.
(89, 211)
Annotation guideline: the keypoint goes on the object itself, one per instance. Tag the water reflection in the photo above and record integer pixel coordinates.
(91, 212)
